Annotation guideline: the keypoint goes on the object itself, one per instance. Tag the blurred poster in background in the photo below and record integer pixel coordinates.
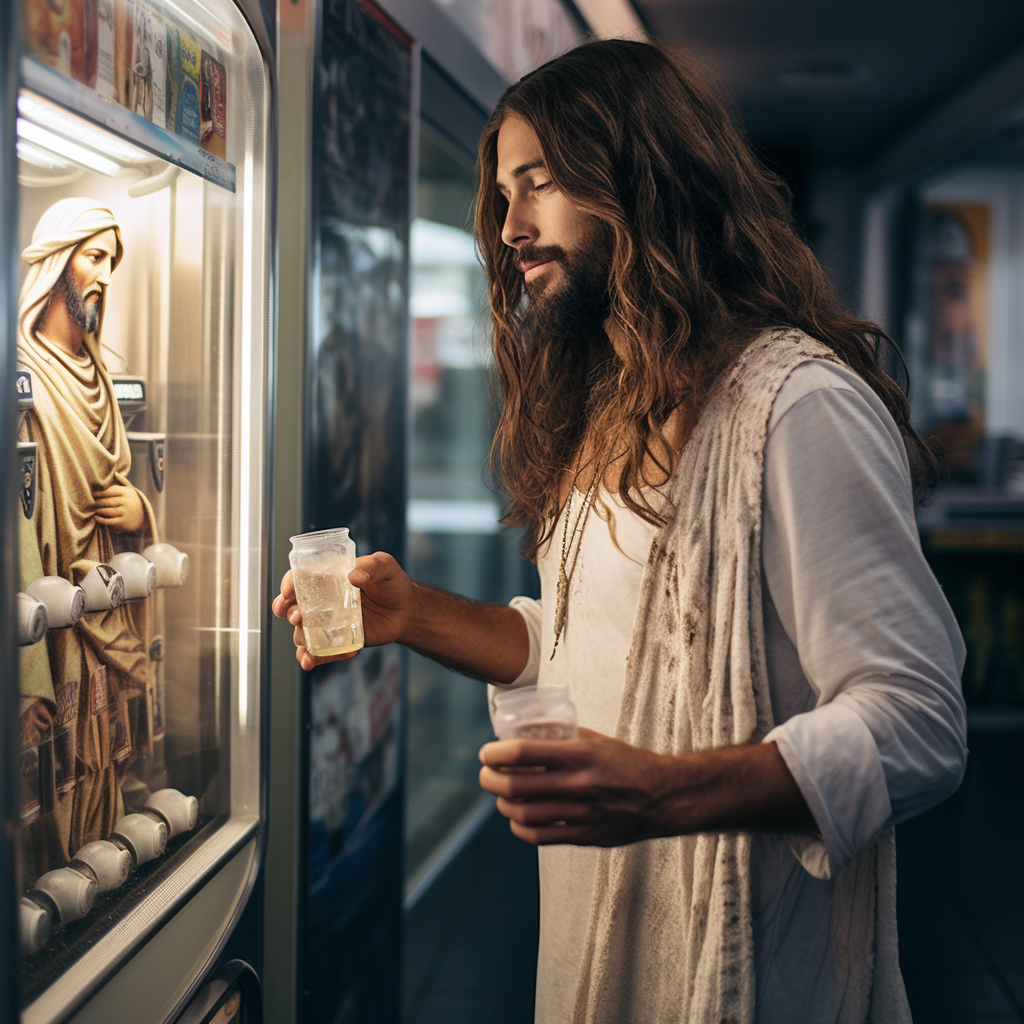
(958, 249)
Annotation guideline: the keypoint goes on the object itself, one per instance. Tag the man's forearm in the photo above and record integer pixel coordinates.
(745, 788)
(487, 641)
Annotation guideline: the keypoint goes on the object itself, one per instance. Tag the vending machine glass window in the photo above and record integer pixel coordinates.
(142, 352)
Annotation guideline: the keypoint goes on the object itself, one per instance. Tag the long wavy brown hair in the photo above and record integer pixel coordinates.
(704, 256)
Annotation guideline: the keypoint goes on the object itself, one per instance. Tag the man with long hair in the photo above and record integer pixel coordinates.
(718, 482)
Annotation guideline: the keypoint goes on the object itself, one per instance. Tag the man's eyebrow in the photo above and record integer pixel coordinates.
(530, 165)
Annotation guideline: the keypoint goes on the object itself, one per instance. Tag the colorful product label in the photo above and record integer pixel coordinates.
(105, 37)
(148, 85)
(213, 105)
(183, 55)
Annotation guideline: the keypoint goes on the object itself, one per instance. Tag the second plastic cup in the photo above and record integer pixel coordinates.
(534, 713)
(332, 617)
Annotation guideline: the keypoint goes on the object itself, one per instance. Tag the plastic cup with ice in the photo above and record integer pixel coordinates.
(332, 617)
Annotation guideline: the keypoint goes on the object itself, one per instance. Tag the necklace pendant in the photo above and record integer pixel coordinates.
(560, 605)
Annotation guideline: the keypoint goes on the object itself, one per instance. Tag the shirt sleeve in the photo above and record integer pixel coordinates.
(875, 637)
(532, 612)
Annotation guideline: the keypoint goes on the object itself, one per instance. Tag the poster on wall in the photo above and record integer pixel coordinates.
(356, 440)
(958, 255)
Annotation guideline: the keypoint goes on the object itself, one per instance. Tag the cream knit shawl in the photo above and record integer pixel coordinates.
(670, 937)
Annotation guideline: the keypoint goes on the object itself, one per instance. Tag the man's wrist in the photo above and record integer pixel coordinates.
(740, 788)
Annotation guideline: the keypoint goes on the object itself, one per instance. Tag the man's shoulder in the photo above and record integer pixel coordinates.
(810, 376)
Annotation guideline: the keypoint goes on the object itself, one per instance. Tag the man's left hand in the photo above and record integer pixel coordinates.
(599, 791)
(119, 507)
(591, 791)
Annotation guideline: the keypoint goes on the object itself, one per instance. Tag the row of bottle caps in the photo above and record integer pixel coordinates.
(69, 893)
(53, 602)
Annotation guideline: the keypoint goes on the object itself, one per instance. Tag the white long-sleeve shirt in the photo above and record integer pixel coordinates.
(864, 660)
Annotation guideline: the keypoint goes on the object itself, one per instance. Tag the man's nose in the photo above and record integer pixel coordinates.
(518, 228)
(104, 275)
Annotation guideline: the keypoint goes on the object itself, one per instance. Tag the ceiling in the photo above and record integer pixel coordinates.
(905, 58)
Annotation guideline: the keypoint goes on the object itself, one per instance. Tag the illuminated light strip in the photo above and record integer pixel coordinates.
(49, 115)
(32, 154)
(245, 453)
(66, 148)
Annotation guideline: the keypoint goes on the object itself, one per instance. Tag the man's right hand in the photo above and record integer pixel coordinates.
(387, 597)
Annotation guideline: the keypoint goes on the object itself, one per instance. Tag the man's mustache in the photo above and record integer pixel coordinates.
(538, 254)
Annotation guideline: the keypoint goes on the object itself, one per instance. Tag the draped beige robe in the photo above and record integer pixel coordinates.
(670, 934)
(99, 667)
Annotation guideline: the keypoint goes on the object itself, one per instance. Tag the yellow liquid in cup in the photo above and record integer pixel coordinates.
(332, 619)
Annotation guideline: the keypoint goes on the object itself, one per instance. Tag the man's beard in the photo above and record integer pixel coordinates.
(86, 315)
(577, 306)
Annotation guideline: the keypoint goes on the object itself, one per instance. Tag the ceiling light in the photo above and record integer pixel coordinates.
(49, 115)
(66, 148)
(821, 74)
(40, 157)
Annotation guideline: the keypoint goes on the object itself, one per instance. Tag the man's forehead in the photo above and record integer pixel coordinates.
(106, 241)
(518, 149)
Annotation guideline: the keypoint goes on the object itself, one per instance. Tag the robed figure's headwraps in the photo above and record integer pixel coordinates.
(60, 230)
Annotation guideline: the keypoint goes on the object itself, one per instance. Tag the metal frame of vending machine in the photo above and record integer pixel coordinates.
(8, 487)
(349, 79)
(183, 940)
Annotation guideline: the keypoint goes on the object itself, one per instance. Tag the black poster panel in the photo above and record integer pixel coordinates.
(356, 477)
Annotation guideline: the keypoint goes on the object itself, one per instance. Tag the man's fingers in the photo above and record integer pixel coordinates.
(309, 662)
(548, 753)
(550, 835)
(283, 604)
(378, 567)
(548, 812)
(534, 786)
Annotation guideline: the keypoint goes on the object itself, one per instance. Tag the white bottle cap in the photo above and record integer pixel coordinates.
(32, 620)
(139, 574)
(109, 862)
(179, 811)
(171, 564)
(71, 891)
(145, 836)
(104, 588)
(64, 602)
(34, 924)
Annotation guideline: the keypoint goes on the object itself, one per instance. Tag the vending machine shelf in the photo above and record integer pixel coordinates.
(134, 128)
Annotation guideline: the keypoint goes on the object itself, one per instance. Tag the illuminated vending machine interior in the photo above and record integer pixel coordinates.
(143, 266)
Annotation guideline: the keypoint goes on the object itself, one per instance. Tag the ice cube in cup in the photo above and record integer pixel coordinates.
(534, 713)
(332, 616)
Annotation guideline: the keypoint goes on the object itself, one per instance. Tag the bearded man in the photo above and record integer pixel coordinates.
(718, 483)
(91, 682)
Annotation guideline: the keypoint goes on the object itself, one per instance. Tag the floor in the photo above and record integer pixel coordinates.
(471, 938)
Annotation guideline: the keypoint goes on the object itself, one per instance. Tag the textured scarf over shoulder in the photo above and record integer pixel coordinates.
(670, 936)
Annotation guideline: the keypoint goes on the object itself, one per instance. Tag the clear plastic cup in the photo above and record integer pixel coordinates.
(332, 616)
(534, 713)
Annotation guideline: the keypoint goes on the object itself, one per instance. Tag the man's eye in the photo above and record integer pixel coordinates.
(542, 186)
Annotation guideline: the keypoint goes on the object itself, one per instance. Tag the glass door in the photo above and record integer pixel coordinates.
(142, 133)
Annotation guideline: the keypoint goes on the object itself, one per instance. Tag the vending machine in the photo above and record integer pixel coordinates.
(136, 301)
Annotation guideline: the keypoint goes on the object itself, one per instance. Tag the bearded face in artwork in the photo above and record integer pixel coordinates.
(83, 282)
